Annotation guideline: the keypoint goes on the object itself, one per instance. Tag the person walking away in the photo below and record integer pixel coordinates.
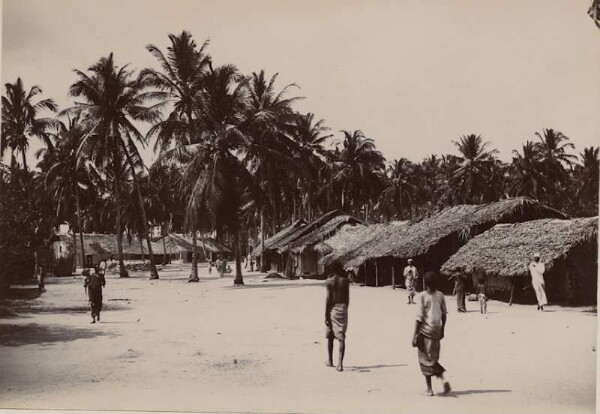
(537, 270)
(459, 290)
(93, 285)
(336, 311)
(410, 280)
(481, 294)
(429, 331)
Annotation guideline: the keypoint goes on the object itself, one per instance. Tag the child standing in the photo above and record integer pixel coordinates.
(481, 295)
(429, 331)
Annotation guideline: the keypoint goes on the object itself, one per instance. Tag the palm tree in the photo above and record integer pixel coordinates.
(358, 167)
(594, 12)
(178, 83)
(474, 168)
(555, 161)
(402, 188)
(21, 120)
(111, 100)
(586, 175)
(269, 120)
(311, 135)
(527, 174)
(216, 174)
(64, 176)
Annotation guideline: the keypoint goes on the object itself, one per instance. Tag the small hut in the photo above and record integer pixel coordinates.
(97, 247)
(207, 248)
(431, 240)
(568, 248)
(269, 254)
(307, 251)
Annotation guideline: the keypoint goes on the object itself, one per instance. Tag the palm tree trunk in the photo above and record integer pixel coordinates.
(74, 267)
(165, 261)
(141, 246)
(24, 160)
(194, 276)
(239, 280)
(153, 271)
(79, 224)
(263, 262)
(122, 270)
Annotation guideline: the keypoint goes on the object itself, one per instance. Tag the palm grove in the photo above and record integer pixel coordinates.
(234, 157)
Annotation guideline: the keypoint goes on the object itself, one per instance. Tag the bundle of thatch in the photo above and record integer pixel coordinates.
(506, 249)
(459, 223)
(280, 235)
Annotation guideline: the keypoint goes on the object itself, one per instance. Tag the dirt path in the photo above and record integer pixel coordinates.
(170, 345)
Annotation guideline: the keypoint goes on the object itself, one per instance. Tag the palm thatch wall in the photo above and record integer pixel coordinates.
(568, 248)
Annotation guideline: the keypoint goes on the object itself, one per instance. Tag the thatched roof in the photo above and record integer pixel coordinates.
(462, 221)
(507, 249)
(284, 243)
(324, 232)
(106, 244)
(183, 243)
(278, 236)
(350, 238)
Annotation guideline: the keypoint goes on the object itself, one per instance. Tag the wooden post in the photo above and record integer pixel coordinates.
(512, 291)
(376, 275)
(393, 277)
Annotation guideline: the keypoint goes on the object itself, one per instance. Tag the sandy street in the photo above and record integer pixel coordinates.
(170, 345)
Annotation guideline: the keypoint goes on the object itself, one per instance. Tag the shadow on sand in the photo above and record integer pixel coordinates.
(472, 392)
(267, 284)
(370, 367)
(110, 306)
(18, 335)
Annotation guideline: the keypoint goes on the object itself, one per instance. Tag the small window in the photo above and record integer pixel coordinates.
(60, 249)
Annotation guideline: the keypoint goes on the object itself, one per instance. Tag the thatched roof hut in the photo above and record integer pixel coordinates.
(271, 241)
(504, 251)
(106, 244)
(183, 243)
(453, 225)
(323, 232)
(507, 249)
(351, 238)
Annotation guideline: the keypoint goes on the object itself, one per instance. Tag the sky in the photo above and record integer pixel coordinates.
(413, 75)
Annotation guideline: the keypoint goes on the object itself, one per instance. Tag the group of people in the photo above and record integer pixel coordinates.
(431, 313)
(429, 327)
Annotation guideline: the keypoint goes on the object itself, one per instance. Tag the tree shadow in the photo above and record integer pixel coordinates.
(370, 367)
(472, 392)
(18, 335)
(108, 307)
(285, 285)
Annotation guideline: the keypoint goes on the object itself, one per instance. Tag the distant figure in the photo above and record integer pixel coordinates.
(336, 311)
(93, 285)
(251, 264)
(410, 280)
(537, 270)
(40, 278)
(481, 294)
(429, 331)
(459, 289)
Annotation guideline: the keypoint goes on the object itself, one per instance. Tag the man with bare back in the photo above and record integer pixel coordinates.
(336, 311)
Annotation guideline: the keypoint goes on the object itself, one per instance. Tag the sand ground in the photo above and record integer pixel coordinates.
(170, 345)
